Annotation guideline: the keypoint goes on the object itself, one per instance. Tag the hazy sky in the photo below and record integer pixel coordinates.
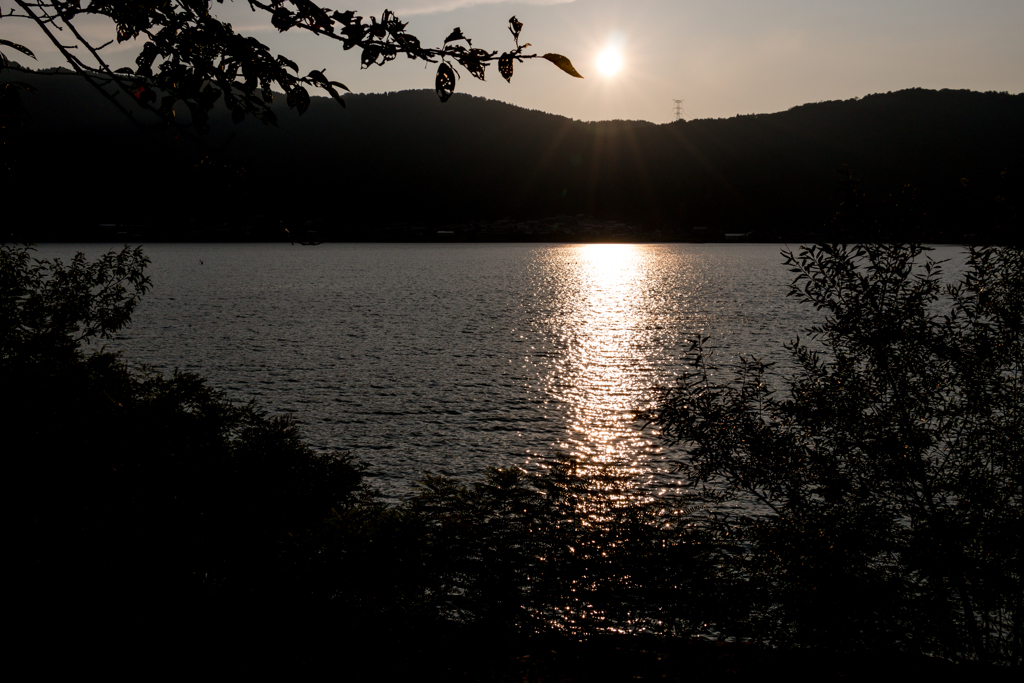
(722, 57)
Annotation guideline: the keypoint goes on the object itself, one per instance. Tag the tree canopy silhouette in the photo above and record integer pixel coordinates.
(890, 463)
(190, 56)
(145, 504)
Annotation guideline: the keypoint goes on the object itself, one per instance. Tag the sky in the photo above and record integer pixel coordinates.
(721, 58)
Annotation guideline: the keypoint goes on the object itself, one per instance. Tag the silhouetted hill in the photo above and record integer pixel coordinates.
(939, 165)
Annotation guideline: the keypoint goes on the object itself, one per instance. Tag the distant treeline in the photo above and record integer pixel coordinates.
(943, 166)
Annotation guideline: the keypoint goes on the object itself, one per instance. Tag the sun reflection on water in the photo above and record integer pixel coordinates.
(607, 326)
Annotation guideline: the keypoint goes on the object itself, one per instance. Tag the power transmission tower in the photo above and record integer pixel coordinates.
(679, 109)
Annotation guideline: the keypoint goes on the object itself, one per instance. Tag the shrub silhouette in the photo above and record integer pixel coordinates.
(891, 461)
(146, 505)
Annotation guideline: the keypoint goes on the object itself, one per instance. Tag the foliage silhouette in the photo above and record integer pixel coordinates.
(892, 465)
(191, 57)
(145, 504)
(48, 309)
(557, 550)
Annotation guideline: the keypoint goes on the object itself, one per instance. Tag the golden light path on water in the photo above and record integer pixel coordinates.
(454, 358)
(607, 324)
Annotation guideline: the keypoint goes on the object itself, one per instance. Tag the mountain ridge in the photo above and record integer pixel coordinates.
(399, 158)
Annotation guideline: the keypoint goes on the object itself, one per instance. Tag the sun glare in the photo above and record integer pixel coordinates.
(609, 62)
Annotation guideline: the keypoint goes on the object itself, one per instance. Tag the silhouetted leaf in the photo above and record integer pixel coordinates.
(473, 61)
(370, 55)
(145, 59)
(125, 70)
(284, 61)
(444, 84)
(21, 48)
(515, 26)
(353, 34)
(456, 34)
(411, 43)
(563, 63)
(298, 99)
(505, 66)
(335, 95)
(267, 116)
(346, 17)
(378, 30)
(125, 32)
(282, 19)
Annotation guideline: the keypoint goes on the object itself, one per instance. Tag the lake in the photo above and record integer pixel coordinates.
(451, 358)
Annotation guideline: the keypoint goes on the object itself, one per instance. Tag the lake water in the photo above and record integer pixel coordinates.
(448, 359)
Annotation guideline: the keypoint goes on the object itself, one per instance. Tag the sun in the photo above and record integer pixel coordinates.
(609, 62)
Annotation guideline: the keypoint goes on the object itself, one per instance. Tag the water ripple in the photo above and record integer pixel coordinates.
(453, 358)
